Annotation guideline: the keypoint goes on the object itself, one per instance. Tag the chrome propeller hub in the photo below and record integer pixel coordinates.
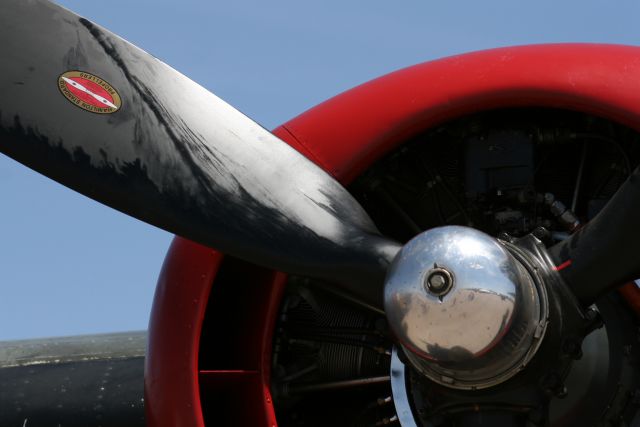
(466, 312)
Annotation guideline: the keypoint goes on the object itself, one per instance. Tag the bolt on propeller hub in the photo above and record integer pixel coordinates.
(439, 281)
(467, 313)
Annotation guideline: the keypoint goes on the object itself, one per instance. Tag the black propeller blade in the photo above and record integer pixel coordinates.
(95, 113)
(603, 254)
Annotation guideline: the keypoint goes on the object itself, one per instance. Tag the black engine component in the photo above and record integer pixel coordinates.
(330, 350)
(499, 162)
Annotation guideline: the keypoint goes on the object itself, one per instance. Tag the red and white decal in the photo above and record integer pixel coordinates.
(89, 92)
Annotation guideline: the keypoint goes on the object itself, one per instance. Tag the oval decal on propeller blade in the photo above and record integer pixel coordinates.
(89, 92)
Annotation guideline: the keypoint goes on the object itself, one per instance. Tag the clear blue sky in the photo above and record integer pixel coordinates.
(69, 265)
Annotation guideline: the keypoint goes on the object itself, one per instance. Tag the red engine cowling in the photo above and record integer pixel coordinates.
(211, 329)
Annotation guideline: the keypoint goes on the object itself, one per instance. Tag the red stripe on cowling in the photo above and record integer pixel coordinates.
(564, 265)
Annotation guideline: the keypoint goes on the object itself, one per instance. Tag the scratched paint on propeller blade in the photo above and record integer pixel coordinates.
(89, 92)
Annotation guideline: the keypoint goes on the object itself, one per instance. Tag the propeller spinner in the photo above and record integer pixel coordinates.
(467, 313)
